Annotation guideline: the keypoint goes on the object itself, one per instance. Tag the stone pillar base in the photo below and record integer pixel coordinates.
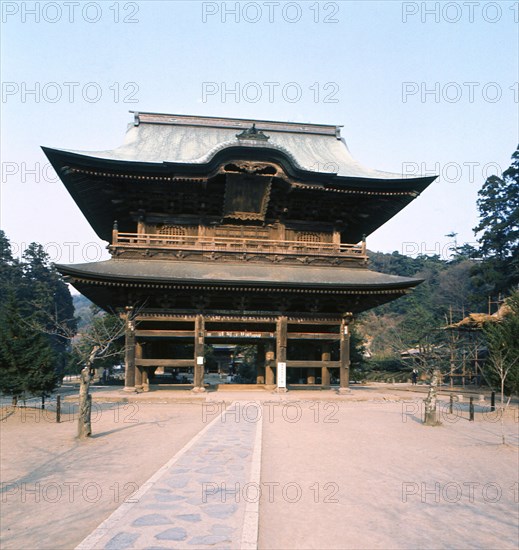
(198, 389)
(343, 391)
(281, 390)
(129, 389)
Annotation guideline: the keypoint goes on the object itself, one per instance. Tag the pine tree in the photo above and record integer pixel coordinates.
(26, 357)
(498, 206)
(46, 299)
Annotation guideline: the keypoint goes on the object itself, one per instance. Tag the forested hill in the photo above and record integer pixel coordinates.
(448, 291)
(82, 307)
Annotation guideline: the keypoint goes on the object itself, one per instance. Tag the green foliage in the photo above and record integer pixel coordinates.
(446, 290)
(27, 359)
(357, 350)
(100, 343)
(82, 309)
(36, 311)
(502, 338)
(498, 205)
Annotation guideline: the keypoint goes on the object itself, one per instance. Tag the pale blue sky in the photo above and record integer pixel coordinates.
(163, 59)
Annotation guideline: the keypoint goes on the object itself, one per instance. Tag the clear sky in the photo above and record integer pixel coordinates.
(420, 87)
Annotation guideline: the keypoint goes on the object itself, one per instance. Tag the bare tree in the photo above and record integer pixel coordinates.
(98, 341)
(503, 359)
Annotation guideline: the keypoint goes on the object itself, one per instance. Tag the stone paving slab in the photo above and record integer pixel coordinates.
(196, 500)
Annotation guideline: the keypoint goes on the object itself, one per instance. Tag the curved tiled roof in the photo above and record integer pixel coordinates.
(168, 272)
(161, 139)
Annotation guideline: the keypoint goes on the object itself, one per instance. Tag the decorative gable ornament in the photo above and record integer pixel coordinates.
(253, 133)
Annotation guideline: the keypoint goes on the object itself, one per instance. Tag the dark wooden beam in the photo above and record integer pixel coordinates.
(158, 333)
(312, 364)
(178, 363)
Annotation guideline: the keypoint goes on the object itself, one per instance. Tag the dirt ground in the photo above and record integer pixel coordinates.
(56, 490)
(378, 478)
(334, 473)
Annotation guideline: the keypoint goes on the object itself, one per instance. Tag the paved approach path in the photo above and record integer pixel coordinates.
(196, 500)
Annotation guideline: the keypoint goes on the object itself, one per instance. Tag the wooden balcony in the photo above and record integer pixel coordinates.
(228, 245)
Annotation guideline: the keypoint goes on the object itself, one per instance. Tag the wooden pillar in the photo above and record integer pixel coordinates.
(344, 367)
(269, 363)
(138, 369)
(325, 371)
(310, 376)
(281, 343)
(145, 379)
(198, 371)
(129, 355)
(260, 362)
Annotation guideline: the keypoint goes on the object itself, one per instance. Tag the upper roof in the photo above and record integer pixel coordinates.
(168, 161)
(163, 138)
(290, 276)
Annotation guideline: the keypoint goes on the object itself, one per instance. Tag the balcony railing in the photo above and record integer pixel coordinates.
(236, 245)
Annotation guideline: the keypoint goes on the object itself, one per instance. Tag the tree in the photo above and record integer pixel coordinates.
(503, 346)
(10, 271)
(498, 205)
(26, 356)
(45, 299)
(99, 342)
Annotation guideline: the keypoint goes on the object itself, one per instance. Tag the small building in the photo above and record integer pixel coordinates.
(233, 231)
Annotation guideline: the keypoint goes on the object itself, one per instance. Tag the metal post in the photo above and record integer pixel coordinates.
(451, 402)
(471, 410)
(493, 401)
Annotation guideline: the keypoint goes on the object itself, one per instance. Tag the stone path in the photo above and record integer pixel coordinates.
(205, 497)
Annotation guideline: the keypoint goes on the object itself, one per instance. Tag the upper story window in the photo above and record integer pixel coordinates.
(308, 237)
(172, 230)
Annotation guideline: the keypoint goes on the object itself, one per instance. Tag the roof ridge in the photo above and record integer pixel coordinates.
(141, 117)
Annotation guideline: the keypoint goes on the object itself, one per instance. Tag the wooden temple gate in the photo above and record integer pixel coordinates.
(271, 334)
(226, 223)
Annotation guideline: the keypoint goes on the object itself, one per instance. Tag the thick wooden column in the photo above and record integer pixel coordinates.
(129, 354)
(344, 369)
(270, 357)
(138, 370)
(145, 379)
(198, 376)
(260, 362)
(325, 371)
(310, 376)
(281, 344)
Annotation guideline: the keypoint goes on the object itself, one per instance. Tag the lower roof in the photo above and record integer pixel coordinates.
(229, 274)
